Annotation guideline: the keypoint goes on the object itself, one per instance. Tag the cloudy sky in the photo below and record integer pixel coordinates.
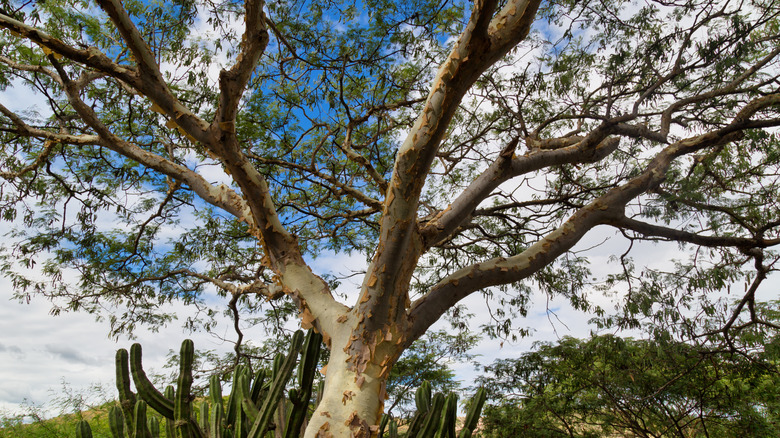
(38, 351)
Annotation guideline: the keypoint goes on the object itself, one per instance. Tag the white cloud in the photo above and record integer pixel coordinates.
(25, 101)
(40, 351)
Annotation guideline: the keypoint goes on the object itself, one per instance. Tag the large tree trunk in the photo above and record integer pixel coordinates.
(353, 397)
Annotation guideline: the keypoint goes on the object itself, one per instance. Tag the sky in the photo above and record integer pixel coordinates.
(39, 352)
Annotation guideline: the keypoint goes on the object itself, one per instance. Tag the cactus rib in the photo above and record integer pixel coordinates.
(281, 376)
(145, 388)
(83, 430)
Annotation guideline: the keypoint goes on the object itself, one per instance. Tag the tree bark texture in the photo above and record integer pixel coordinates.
(367, 338)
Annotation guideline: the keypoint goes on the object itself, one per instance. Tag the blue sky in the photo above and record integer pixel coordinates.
(39, 351)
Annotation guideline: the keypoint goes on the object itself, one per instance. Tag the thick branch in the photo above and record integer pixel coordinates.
(91, 56)
(142, 53)
(651, 230)
(605, 209)
(504, 168)
(485, 40)
(233, 82)
(148, 79)
(221, 196)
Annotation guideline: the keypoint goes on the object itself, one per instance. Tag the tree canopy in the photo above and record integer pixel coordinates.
(188, 147)
(607, 385)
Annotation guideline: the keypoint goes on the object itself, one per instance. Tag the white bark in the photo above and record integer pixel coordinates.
(352, 402)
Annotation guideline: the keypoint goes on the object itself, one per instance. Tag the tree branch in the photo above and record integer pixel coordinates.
(233, 82)
(485, 40)
(505, 167)
(604, 209)
(221, 196)
(651, 230)
(148, 79)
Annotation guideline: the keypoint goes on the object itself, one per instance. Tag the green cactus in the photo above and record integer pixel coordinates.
(203, 418)
(254, 400)
(116, 422)
(449, 417)
(154, 427)
(307, 369)
(255, 405)
(393, 429)
(422, 398)
(422, 401)
(436, 417)
(383, 424)
(432, 419)
(282, 372)
(472, 415)
(126, 397)
(146, 389)
(170, 423)
(140, 427)
(185, 426)
(215, 421)
(258, 384)
(83, 430)
(233, 407)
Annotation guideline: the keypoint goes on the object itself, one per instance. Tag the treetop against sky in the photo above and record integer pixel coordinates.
(463, 148)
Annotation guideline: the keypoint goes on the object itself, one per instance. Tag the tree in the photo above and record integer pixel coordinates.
(462, 148)
(606, 386)
(427, 360)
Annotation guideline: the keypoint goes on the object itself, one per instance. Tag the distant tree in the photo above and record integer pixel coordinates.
(186, 147)
(429, 359)
(609, 386)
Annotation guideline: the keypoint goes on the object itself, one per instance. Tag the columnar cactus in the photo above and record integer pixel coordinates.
(83, 430)
(436, 416)
(126, 396)
(300, 397)
(146, 389)
(253, 405)
(472, 415)
(250, 407)
(282, 373)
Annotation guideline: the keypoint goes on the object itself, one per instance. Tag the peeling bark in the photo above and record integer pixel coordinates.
(367, 339)
(354, 394)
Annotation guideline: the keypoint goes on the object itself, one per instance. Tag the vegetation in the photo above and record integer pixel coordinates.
(260, 404)
(610, 386)
(206, 152)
